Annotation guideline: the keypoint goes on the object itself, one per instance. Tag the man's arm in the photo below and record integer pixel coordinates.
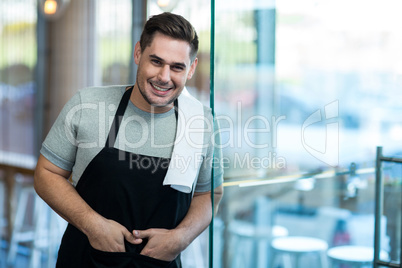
(52, 185)
(166, 244)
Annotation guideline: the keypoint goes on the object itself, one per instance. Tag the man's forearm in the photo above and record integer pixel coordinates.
(199, 215)
(53, 187)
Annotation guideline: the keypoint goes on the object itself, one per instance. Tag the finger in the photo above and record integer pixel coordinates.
(141, 234)
(130, 238)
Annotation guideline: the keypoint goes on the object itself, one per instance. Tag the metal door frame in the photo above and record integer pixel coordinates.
(379, 202)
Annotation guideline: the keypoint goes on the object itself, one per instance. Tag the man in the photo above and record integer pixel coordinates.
(140, 191)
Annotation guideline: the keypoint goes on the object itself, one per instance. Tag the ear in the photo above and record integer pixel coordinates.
(137, 53)
(192, 69)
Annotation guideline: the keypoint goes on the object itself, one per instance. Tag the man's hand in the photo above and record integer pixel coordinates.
(109, 235)
(162, 244)
(166, 244)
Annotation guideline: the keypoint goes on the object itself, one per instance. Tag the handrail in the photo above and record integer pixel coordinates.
(253, 181)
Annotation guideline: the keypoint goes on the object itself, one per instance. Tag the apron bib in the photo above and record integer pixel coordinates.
(127, 188)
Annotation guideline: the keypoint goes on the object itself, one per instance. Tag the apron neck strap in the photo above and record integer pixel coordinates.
(114, 130)
(176, 109)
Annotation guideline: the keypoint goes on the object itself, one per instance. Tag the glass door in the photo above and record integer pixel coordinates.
(304, 93)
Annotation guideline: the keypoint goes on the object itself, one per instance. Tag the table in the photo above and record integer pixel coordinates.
(297, 246)
(356, 256)
(12, 164)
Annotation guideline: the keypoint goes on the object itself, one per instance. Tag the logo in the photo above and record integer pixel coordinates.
(325, 145)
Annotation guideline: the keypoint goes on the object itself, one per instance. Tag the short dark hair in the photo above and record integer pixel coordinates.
(172, 25)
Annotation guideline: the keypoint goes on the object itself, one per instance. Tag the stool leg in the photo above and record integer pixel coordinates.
(234, 261)
(242, 253)
(287, 260)
(3, 218)
(18, 223)
(59, 226)
(53, 235)
(297, 260)
(34, 260)
(323, 260)
(272, 258)
(40, 222)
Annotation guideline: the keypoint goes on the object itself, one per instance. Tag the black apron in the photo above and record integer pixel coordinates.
(127, 188)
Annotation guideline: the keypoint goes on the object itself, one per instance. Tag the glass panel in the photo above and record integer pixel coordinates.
(305, 91)
(18, 89)
(17, 83)
(113, 29)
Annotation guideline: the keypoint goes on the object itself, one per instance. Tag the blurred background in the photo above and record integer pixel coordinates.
(304, 92)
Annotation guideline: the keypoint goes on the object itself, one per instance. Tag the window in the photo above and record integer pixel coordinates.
(114, 46)
(17, 76)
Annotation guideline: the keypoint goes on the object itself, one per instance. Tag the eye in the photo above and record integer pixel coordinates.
(156, 62)
(177, 68)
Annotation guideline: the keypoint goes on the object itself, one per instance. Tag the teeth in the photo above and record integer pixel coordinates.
(159, 88)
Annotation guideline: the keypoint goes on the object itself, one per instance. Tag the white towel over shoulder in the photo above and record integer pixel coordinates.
(187, 151)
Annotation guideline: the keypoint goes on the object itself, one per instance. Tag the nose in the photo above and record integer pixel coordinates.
(164, 73)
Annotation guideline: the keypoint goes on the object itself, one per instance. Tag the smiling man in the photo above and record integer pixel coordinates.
(142, 214)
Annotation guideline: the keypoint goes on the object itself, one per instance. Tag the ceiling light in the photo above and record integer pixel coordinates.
(53, 9)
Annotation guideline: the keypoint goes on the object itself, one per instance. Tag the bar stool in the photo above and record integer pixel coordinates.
(354, 256)
(294, 247)
(43, 231)
(247, 237)
(49, 229)
(23, 230)
(3, 217)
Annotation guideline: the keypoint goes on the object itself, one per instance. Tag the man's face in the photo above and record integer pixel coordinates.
(163, 69)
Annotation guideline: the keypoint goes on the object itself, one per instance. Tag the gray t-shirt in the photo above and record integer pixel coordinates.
(82, 127)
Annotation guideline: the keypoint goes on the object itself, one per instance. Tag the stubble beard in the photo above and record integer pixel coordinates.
(144, 95)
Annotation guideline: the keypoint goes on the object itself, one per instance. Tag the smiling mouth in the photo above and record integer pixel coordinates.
(160, 88)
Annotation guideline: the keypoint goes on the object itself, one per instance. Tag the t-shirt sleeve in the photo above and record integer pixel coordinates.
(60, 146)
(213, 160)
